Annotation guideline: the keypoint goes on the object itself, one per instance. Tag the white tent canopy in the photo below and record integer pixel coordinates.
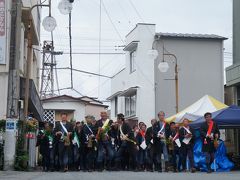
(198, 109)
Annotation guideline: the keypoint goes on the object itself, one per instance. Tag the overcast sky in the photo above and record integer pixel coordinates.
(181, 16)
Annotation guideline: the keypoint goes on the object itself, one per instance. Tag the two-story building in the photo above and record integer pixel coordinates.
(14, 51)
(140, 90)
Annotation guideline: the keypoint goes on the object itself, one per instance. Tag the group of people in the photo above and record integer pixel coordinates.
(97, 145)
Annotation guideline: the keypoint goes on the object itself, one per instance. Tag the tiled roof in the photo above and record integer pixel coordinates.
(86, 99)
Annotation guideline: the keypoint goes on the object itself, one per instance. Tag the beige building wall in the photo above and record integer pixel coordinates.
(94, 110)
(59, 112)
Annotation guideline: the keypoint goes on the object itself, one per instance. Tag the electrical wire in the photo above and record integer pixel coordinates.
(110, 19)
(86, 72)
(94, 53)
(89, 92)
(139, 16)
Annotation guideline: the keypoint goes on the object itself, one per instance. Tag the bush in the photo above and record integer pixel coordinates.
(2, 125)
(21, 158)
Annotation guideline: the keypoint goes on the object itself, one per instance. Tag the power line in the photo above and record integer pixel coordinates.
(135, 9)
(86, 72)
(140, 17)
(103, 67)
(77, 92)
(110, 19)
(89, 92)
(90, 53)
(95, 53)
(85, 38)
(102, 83)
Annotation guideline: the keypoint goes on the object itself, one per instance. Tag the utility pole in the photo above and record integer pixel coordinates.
(29, 55)
(14, 78)
(13, 81)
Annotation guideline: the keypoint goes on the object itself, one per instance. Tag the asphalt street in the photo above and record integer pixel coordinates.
(10, 175)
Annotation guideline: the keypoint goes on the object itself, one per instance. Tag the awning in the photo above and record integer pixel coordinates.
(114, 95)
(228, 117)
(131, 46)
(130, 91)
(35, 105)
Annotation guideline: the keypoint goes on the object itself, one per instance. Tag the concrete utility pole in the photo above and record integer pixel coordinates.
(13, 81)
(14, 78)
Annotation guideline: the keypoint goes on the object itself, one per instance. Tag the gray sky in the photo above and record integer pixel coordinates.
(181, 16)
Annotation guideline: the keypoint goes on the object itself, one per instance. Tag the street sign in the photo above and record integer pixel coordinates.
(11, 124)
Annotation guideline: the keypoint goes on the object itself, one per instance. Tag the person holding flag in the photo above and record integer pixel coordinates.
(104, 142)
(46, 143)
(76, 144)
(209, 132)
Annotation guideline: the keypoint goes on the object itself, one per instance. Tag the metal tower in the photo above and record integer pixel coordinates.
(48, 66)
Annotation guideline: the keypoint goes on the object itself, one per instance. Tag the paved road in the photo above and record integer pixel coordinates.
(13, 175)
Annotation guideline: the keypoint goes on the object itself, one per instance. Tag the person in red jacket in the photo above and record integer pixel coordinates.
(209, 132)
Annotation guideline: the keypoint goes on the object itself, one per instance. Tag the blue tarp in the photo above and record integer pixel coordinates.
(221, 162)
(225, 118)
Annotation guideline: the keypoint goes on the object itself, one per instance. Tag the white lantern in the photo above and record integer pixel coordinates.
(65, 7)
(163, 66)
(49, 23)
(152, 54)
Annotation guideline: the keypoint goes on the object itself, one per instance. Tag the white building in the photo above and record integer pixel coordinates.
(76, 108)
(21, 51)
(13, 65)
(140, 90)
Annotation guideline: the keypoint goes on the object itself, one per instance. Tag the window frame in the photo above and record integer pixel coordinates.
(130, 107)
(116, 106)
(133, 61)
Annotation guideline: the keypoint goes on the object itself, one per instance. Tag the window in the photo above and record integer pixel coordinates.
(130, 105)
(49, 115)
(116, 105)
(132, 61)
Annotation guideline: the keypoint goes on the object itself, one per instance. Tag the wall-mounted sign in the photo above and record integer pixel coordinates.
(11, 124)
(2, 31)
